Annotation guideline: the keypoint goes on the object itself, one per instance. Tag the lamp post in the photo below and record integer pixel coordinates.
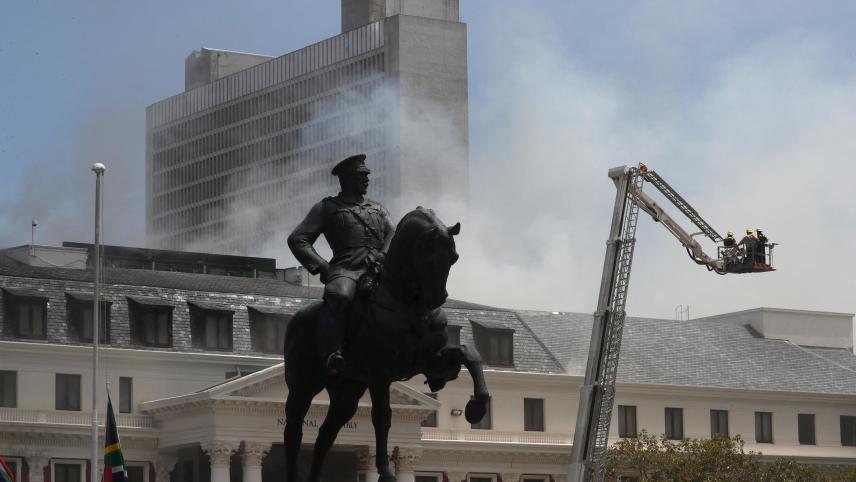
(98, 169)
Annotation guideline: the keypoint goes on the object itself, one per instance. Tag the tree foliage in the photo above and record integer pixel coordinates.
(721, 459)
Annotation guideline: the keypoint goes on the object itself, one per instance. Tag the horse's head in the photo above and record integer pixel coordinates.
(419, 258)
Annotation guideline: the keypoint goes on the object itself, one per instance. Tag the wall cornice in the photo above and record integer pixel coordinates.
(731, 393)
(107, 352)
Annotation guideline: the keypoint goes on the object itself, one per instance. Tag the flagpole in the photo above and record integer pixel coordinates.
(98, 169)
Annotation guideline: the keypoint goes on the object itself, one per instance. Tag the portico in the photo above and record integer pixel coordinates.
(238, 423)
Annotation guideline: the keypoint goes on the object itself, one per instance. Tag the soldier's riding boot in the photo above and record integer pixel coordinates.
(334, 333)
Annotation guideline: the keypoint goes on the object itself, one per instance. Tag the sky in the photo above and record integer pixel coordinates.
(748, 109)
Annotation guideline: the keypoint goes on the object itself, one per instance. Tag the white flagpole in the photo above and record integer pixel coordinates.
(99, 169)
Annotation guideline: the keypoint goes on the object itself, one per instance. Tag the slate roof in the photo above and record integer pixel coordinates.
(180, 281)
(839, 356)
(663, 352)
(530, 354)
(700, 353)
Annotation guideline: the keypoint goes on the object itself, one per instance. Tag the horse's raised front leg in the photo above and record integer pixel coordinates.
(344, 399)
(446, 366)
(381, 419)
(296, 406)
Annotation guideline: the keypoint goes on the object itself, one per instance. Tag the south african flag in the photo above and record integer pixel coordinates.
(5, 472)
(114, 461)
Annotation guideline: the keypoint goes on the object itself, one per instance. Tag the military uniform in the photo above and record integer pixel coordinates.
(354, 230)
(358, 231)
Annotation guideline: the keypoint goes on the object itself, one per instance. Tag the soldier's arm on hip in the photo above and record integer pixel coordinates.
(304, 236)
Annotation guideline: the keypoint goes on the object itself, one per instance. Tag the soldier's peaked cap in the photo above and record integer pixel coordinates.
(356, 163)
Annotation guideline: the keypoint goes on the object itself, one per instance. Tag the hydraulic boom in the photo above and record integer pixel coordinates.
(598, 390)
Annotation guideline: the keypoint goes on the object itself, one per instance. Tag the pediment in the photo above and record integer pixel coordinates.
(268, 385)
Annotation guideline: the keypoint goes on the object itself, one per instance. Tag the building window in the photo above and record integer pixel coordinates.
(126, 394)
(214, 330)
(67, 392)
(135, 473)
(626, 421)
(431, 420)
(805, 426)
(495, 343)
(485, 423)
(429, 478)
(764, 427)
(8, 389)
(533, 414)
(80, 316)
(848, 431)
(28, 310)
(718, 423)
(67, 472)
(151, 322)
(453, 334)
(267, 330)
(674, 423)
(482, 478)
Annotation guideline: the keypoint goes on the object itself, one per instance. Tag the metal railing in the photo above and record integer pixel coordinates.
(465, 435)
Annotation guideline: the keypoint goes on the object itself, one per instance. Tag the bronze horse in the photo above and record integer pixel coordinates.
(397, 332)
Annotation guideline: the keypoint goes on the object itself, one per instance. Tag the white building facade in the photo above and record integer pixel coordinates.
(200, 392)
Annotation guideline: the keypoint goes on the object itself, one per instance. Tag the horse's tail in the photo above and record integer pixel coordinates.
(300, 352)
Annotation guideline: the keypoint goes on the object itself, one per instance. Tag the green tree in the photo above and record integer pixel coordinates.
(721, 459)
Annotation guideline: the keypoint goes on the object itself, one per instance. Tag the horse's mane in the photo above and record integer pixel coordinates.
(411, 228)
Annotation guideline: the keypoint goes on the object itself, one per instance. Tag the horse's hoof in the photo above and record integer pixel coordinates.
(475, 410)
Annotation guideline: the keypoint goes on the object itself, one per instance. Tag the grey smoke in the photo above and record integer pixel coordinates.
(59, 187)
(765, 141)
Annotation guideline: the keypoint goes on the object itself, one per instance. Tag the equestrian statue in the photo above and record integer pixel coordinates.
(380, 320)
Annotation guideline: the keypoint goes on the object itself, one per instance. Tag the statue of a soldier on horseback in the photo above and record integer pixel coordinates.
(381, 320)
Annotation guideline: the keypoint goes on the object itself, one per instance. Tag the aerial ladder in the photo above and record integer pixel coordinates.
(598, 390)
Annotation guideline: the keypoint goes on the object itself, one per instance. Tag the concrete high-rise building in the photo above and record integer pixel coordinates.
(235, 161)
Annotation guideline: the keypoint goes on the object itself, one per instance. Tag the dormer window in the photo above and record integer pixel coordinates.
(211, 325)
(267, 328)
(80, 317)
(28, 311)
(495, 342)
(453, 334)
(151, 321)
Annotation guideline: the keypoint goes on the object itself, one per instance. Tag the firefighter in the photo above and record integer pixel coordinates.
(760, 250)
(749, 242)
(729, 240)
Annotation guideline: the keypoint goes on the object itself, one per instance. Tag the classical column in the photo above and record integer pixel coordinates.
(404, 460)
(456, 476)
(37, 462)
(251, 459)
(510, 476)
(366, 463)
(220, 453)
(164, 465)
